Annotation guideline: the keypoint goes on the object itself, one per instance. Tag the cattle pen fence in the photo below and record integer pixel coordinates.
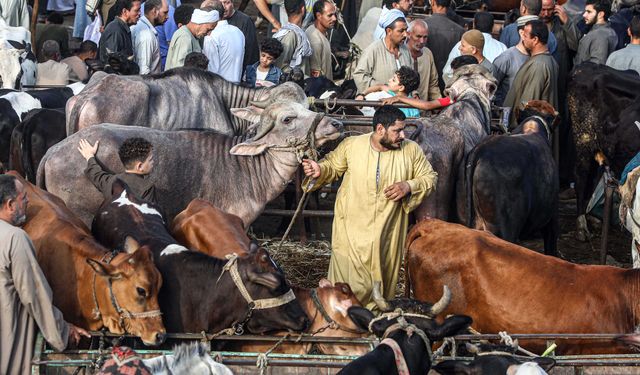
(90, 358)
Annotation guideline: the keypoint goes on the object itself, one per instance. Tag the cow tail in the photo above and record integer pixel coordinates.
(470, 167)
(25, 143)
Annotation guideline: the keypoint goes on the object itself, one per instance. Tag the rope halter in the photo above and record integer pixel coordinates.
(122, 313)
(402, 324)
(259, 304)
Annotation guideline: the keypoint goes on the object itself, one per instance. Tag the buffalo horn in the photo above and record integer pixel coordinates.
(262, 104)
(378, 299)
(439, 306)
(265, 127)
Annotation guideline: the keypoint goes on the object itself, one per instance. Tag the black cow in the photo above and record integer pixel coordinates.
(512, 180)
(604, 109)
(30, 140)
(197, 293)
(14, 105)
(404, 330)
(494, 364)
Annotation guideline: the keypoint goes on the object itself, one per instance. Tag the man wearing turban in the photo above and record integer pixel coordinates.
(185, 40)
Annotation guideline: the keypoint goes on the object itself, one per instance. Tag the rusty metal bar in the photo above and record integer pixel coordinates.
(305, 213)
(352, 103)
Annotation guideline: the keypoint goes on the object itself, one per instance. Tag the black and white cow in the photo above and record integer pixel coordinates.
(14, 105)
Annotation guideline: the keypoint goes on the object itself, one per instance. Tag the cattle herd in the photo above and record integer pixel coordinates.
(225, 151)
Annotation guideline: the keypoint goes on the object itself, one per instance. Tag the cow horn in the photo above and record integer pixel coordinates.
(439, 306)
(265, 127)
(262, 104)
(382, 304)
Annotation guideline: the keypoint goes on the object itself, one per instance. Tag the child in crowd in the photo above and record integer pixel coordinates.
(425, 105)
(264, 72)
(136, 154)
(404, 81)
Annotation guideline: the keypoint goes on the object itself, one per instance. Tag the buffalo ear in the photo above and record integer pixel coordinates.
(251, 113)
(131, 245)
(248, 149)
(360, 316)
(104, 269)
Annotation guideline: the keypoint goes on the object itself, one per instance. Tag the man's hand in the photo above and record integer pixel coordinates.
(561, 13)
(87, 150)
(311, 168)
(75, 333)
(397, 191)
(391, 100)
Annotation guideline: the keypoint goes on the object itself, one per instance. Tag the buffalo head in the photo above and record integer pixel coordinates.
(475, 78)
(284, 125)
(263, 280)
(135, 282)
(540, 109)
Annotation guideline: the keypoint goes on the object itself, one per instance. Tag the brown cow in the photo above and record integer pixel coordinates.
(506, 287)
(203, 227)
(64, 246)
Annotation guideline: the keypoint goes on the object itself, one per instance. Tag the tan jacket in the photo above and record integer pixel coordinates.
(52, 73)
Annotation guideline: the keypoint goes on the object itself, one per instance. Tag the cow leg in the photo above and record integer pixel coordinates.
(635, 253)
(585, 174)
(550, 236)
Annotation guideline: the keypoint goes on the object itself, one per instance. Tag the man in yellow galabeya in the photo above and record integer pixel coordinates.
(384, 178)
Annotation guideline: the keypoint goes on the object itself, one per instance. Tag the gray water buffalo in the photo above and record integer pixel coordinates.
(449, 137)
(239, 175)
(181, 98)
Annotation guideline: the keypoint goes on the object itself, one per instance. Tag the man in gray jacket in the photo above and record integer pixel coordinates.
(601, 40)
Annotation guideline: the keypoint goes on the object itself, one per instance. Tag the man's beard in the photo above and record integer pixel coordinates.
(388, 145)
(19, 219)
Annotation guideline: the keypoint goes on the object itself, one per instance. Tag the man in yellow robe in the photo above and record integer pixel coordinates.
(384, 178)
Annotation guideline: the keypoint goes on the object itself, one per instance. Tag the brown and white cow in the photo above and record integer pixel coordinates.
(204, 228)
(86, 287)
(506, 287)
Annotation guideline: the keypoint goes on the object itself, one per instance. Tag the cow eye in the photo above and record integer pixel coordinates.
(287, 120)
(141, 292)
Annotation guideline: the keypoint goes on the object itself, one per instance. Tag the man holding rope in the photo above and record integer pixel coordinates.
(384, 178)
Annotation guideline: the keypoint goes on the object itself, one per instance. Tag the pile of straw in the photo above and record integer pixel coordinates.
(305, 265)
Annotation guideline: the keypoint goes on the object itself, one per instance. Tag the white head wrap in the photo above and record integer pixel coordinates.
(200, 16)
(386, 18)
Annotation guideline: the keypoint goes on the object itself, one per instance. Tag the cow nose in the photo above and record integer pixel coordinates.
(160, 337)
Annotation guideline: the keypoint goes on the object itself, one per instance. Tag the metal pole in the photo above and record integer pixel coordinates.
(34, 20)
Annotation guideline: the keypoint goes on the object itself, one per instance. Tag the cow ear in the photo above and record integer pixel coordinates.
(324, 283)
(450, 327)
(250, 113)
(360, 316)
(248, 149)
(453, 367)
(131, 245)
(104, 269)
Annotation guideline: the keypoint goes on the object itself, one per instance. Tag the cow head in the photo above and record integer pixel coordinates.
(536, 116)
(472, 78)
(286, 92)
(411, 305)
(263, 279)
(284, 125)
(135, 282)
(336, 299)
(10, 68)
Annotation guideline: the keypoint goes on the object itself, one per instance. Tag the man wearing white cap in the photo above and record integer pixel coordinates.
(381, 59)
(388, 5)
(185, 40)
(224, 47)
